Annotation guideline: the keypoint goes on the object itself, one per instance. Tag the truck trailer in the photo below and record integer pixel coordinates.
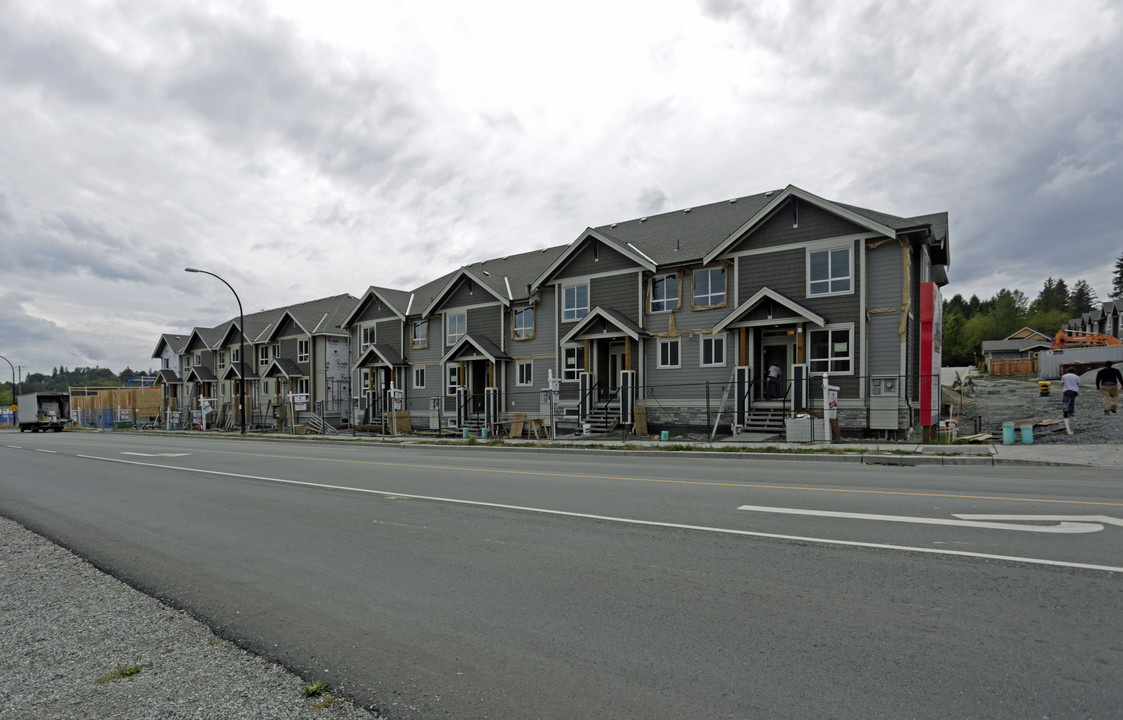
(43, 411)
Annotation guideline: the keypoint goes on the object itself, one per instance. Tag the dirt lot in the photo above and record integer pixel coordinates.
(994, 400)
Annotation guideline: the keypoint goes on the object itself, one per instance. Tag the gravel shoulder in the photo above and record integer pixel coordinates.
(995, 400)
(67, 625)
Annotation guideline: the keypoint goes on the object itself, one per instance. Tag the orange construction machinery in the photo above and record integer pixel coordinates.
(1082, 338)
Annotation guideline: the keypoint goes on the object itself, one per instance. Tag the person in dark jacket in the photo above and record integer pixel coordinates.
(1108, 381)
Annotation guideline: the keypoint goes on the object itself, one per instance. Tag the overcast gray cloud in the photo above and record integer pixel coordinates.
(306, 149)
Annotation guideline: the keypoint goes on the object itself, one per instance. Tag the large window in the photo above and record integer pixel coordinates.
(523, 323)
(828, 271)
(368, 337)
(713, 351)
(263, 355)
(525, 373)
(669, 353)
(709, 287)
(420, 333)
(829, 351)
(664, 293)
(575, 302)
(573, 362)
(221, 359)
(455, 327)
(302, 351)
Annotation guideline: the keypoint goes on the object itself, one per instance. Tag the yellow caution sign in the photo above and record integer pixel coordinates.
(14, 408)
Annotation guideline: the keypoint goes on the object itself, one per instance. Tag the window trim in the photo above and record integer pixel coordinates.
(830, 280)
(847, 328)
(571, 314)
(452, 378)
(302, 356)
(720, 337)
(568, 375)
(651, 282)
(363, 339)
(413, 341)
(694, 304)
(529, 332)
(275, 350)
(667, 343)
(449, 339)
(262, 355)
(519, 381)
(419, 373)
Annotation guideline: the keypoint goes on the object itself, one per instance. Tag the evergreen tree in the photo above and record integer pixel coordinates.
(1083, 298)
(1117, 281)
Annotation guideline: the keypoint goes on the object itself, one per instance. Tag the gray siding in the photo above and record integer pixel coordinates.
(884, 346)
(389, 332)
(375, 310)
(487, 322)
(588, 262)
(814, 224)
(618, 292)
(884, 289)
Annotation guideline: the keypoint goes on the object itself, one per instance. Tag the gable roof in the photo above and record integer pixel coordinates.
(766, 293)
(283, 366)
(399, 302)
(609, 316)
(483, 346)
(198, 373)
(175, 342)
(379, 354)
(1028, 333)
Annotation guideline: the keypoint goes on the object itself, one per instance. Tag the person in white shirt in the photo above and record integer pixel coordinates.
(1071, 383)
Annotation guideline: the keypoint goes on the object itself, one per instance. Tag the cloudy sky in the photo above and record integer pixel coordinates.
(303, 149)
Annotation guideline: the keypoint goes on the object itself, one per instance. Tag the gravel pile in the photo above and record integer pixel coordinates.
(77, 643)
(995, 400)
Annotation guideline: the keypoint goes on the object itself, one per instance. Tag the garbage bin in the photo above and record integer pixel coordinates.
(1008, 432)
(1027, 434)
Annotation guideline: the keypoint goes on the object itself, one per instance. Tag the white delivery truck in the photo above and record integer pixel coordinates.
(43, 411)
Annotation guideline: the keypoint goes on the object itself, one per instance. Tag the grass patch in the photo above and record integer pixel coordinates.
(316, 689)
(327, 701)
(118, 673)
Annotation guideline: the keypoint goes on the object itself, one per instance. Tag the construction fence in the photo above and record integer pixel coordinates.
(120, 408)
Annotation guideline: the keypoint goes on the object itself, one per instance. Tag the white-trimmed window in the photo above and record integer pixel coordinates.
(419, 377)
(709, 286)
(300, 386)
(524, 373)
(523, 323)
(573, 362)
(712, 351)
(264, 387)
(669, 353)
(221, 359)
(575, 302)
(830, 350)
(367, 338)
(364, 379)
(235, 355)
(198, 359)
(664, 293)
(263, 355)
(276, 350)
(222, 389)
(829, 271)
(452, 378)
(165, 363)
(302, 351)
(455, 327)
(420, 333)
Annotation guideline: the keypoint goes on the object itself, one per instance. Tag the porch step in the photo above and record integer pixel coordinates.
(602, 419)
(764, 421)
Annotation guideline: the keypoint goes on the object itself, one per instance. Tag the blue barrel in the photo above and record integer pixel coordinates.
(664, 436)
(1027, 434)
(1008, 432)
(465, 433)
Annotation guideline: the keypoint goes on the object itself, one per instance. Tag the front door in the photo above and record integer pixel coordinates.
(774, 355)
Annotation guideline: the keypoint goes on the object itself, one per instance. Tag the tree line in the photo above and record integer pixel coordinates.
(967, 323)
(61, 380)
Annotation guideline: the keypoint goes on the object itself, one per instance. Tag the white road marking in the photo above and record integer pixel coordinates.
(156, 454)
(1107, 519)
(52, 452)
(629, 521)
(1064, 527)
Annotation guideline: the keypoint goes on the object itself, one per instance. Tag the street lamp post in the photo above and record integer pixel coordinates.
(242, 339)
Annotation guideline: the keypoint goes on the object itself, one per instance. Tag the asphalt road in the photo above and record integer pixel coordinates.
(471, 582)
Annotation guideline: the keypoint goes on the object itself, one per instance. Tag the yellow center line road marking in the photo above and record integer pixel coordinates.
(576, 476)
(628, 521)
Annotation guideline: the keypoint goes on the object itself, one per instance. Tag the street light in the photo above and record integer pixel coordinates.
(242, 337)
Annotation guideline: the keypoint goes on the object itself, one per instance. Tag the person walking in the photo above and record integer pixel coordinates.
(1108, 381)
(1070, 381)
(772, 382)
